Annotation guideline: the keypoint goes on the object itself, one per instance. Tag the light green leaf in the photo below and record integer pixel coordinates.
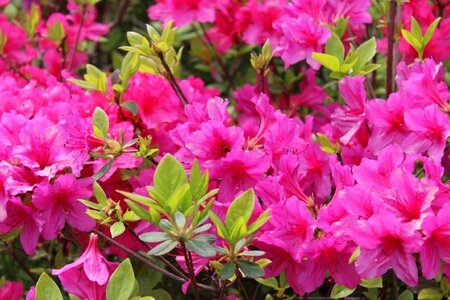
(180, 199)
(340, 291)
(117, 229)
(154, 237)
(122, 281)
(130, 65)
(366, 52)
(163, 248)
(372, 283)
(101, 122)
(237, 231)
(270, 282)
(430, 294)
(169, 176)
(47, 289)
(103, 170)
(430, 32)
(99, 194)
(355, 255)
(180, 219)
(406, 295)
(262, 219)
(328, 61)
(335, 47)
(221, 230)
(242, 206)
(416, 31)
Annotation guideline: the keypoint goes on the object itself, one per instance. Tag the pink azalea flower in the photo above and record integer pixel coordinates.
(350, 118)
(329, 11)
(386, 243)
(431, 129)
(88, 275)
(239, 171)
(386, 119)
(409, 199)
(11, 290)
(213, 141)
(301, 36)
(437, 242)
(19, 214)
(257, 19)
(157, 103)
(41, 148)
(183, 12)
(423, 84)
(60, 202)
(293, 227)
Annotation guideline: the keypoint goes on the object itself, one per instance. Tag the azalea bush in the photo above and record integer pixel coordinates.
(261, 149)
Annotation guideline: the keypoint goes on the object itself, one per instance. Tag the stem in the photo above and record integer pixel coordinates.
(223, 289)
(390, 53)
(173, 80)
(149, 263)
(394, 286)
(240, 285)
(162, 259)
(22, 265)
(77, 39)
(188, 259)
(261, 75)
(13, 68)
(121, 12)
(227, 75)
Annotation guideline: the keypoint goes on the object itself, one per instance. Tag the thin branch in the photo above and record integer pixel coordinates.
(77, 39)
(13, 68)
(390, 53)
(162, 259)
(148, 262)
(188, 260)
(120, 13)
(173, 80)
(22, 264)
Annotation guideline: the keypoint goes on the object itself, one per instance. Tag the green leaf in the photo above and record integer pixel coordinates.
(137, 198)
(163, 248)
(416, 44)
(159, 294)
(103, 170)
(228, 271)
(81, 83)
(121, 283)
(326, 60)
(221, 230)
(131, 106)
(250, 269)
(201, 247)
(253, 253)
(355, 255)
(47, 289)
(366, 52)
(270, 282)
(406, 295)
(117, 229)
(154, 237)
(135, 39)
(146, 277)
(416, 31)
(430, 294)
(180, 219)
(237, 231)
(198, 182)
(169, 176)
(335, 47)
(101, 122)
(99, 194)
(138, 210)
(242, 206)
(340, 291)
(368, 69)
(372, 283)
(262, 219)
(180, 199)
(130, 65)
(341, 26)
(430, 32)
